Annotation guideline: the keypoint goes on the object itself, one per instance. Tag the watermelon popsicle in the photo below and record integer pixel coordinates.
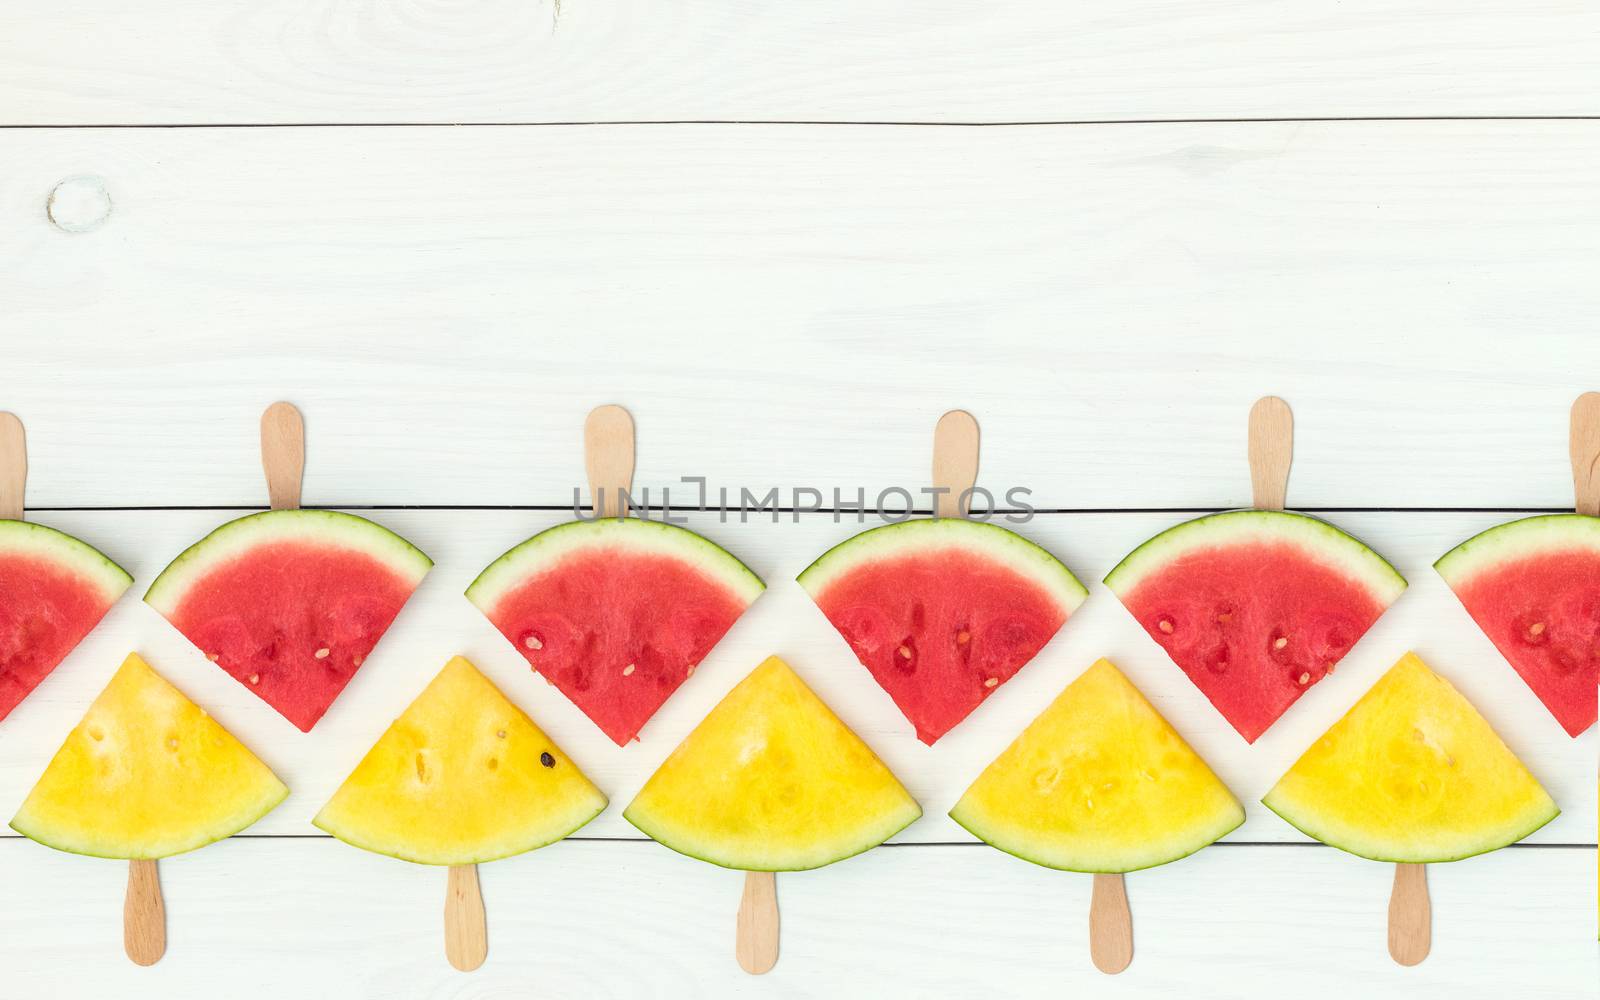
(1533, 586)
(54, 589)
(289, 602)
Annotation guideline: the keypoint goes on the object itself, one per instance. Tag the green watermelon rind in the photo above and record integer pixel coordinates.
(221, 830)
(545, 550)
(237, 537)
(571, 824)
(1142, 858)
(1334, 547)
(916, 537)
(1517, 540)
(1302, 821)
(841, 849)
(72, 554)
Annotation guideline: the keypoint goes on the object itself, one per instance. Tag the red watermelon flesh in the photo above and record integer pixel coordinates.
(1534, 589)
(294, 609)
(1257, 609)
(54, 589)
(941, 613)
(617, 613)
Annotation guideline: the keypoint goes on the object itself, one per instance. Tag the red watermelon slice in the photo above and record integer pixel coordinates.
(53, 590)
(615, 613)
(1533, 586)
(942, 612)
(290, 602)
(1255, 605)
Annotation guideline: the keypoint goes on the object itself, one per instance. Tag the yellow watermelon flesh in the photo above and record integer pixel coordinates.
(1099, 782)
(771, 780)
(462, 777)
(146, 774)
(1412, 773)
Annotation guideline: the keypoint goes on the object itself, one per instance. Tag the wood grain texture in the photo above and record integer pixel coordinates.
(96, 61)
(13, 467)
(1271, 452)
(1110, 925)
(608, 459)
(955, 463)
(1410, 915)
(439, 623)
(364, 927)
(283, 454)
(791, 307)
(144, 914)
(1585, 445)
(466, 926)
(757, 931)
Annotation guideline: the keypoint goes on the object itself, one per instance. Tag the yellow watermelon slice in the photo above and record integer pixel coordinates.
(1412, 774)
(146, 774)
(771, 780)
(462, 777)
(1099, 782)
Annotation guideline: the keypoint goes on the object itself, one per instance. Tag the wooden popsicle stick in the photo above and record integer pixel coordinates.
(955, 463)
(1110, 925)
(283, 454)
(756, 946)
(13, 466)
(466, 928)
(1271, 452)
(1410, 915)
(1585, 445)
(144, 914)
(608, 458)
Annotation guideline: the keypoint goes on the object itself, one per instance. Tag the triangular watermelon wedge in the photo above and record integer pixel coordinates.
(54, 589)
(1533, 586)
(616, 613)
(942, 612)
(290, 602)
(1255, 605)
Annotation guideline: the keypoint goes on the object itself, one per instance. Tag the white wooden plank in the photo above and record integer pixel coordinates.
(234, 61)
(785, 307)
(315, 919)
(440, 623)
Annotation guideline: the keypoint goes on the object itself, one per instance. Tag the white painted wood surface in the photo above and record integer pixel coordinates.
(232, 61)
(793, 306)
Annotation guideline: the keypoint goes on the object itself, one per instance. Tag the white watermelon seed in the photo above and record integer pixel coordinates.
(1165, 626)
(991, 682)
(1089, 804)
(1280, 642)
(627, 671)
(322, 654)
(1305, 678)
(690, 671)
(532, 642)
(213, 657)
(962, 636)
(905, 651)
(255, 678)
(358, 660)
(172, 743)
(1537, 628)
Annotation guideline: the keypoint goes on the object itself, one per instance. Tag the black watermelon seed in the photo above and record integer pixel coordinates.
(547, 760)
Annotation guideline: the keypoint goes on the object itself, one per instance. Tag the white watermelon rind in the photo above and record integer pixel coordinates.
(924, 535)
(1138, 858)
(859, 841)
(1517, 540)
(1319, 540)
(331, 528)
(634, 535)
(1303, 817)
(71, 554)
